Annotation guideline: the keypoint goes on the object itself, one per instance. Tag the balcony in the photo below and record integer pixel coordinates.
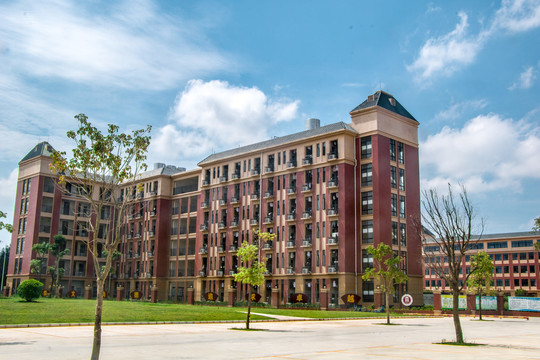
(332, 212)
(203, 250)
(223, 179)
(290, 271)
(268, 220)
(332, 184)
(202, 273)
(308, 160)
(291, 164)
(291, 217)
(306, 215)
(267, 245)
(332, 240)
(148, 275)
(221, 225)
(153, 193)
(291, 190)
(269, 169)
(255, 172)
(306, 270)
(129, 236)
(204, 227)
(221, 249)
(232, 272)
(206, 182)
(234, 200)
(291, 244)
(149, 254)
(306, 187)
(332, 269)
(254, 222)
(151, 234)
(233, 248)
(306, 242)
(220, 273)
(235, 176)
(204, 205)
(268, 194)
(234, 223)
(255, 197)
(332, 156)
(222, 202)
(153, 213)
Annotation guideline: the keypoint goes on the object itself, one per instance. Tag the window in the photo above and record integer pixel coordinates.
(402, 206)
(365, 147)
(395, 234)
(367, 203)
(392, 150)
(367, 260)
(497, 245)
(401, 154)
(393, 177)
(367, 175)
(522, 243)
(393, 204)
(367, 231)
(368, 291)
(403, 234)
(402, 179)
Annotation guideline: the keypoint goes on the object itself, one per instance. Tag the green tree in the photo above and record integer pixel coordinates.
(536, 227)
(37, 264)
(30, 289)
(386, 272)
(4, 256)
(58, 250)
(3, 225)
(253, 269)
(481, 275)
(100, 166)
(452, 220)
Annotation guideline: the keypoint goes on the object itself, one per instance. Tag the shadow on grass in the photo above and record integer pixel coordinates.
(391, 324)
(244, 329)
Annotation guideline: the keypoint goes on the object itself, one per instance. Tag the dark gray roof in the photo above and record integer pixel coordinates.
(41, 149)
(166, 170)
(386, 101)
(327, 129)
(509, 235)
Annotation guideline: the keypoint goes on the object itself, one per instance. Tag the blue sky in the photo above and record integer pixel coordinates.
(209, 76)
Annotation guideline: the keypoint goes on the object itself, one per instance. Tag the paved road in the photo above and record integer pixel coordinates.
(347, 339)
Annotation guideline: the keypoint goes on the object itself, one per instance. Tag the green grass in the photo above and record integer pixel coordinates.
(14, 310)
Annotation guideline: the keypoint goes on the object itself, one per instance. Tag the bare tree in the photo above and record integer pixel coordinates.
(98, 173)
(452, 219)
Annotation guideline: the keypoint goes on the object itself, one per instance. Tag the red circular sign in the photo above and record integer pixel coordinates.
(407, 300)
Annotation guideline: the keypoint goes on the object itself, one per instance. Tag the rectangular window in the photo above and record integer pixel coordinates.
(392, 150)
(367, 231)
(497, 245)
(402, 206)
(522, 243)
(367, 203)
(402, 179)
(393, 204)
(403, 234)
(395, 233)
(365, 147)
(367, 175)
(393, 177)
(401, 155)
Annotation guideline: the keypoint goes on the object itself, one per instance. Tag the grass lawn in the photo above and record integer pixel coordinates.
(45, 311)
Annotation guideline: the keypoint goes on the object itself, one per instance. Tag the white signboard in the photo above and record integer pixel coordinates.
(488, 303)
(447, 302)
(523, 303)
(407, 300)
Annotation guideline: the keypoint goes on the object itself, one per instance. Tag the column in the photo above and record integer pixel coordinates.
(437, 302)
(324, 298)
(231, 296)
(88, 292)
(154, 294)
(275, 297)
(120, 293)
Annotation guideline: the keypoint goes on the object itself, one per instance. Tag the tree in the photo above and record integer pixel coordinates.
(100, 166)
(3, 225)
(5, 252)
(30, 289)
(252, 273)
(536, 227)
(386, 272)
(452, 220)
(36, 265)
(58, 250)
(481, 275)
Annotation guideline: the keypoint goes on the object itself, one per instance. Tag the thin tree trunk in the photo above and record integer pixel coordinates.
(455, 313)
(96, 348)
(249, 307)
(480, 305)
(388, 307)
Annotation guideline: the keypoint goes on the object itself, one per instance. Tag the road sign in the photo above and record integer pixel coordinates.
(407, 300)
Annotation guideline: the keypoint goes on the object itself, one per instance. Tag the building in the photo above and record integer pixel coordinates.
(327, 193)
(514, 257)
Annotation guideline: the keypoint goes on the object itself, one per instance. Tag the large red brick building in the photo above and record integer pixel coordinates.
(327, 193)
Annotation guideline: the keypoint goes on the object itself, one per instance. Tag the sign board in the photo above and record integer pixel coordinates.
(523, 303)
(488, 303)
(73, 294)
(299, 298)
(254, 297)
(447, 302)
(136, 294)
(350, 299)
(407, 300)
(211, 296)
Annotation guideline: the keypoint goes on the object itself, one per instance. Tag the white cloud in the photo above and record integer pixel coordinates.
(526, 79)
(518, 15)
(8, 188)
(447, 53)
(129, 45)
(489, 153)
(217, 116)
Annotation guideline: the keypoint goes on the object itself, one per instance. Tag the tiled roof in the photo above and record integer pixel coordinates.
(41, 149)
(339, 126)
(386, 101)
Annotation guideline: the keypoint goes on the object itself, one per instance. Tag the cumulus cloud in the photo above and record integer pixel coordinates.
(526, 79)
(127, 45)
(443, 55)
(214, 116)
(489, 153)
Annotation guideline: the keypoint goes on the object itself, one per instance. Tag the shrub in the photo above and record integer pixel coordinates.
(30, 289)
